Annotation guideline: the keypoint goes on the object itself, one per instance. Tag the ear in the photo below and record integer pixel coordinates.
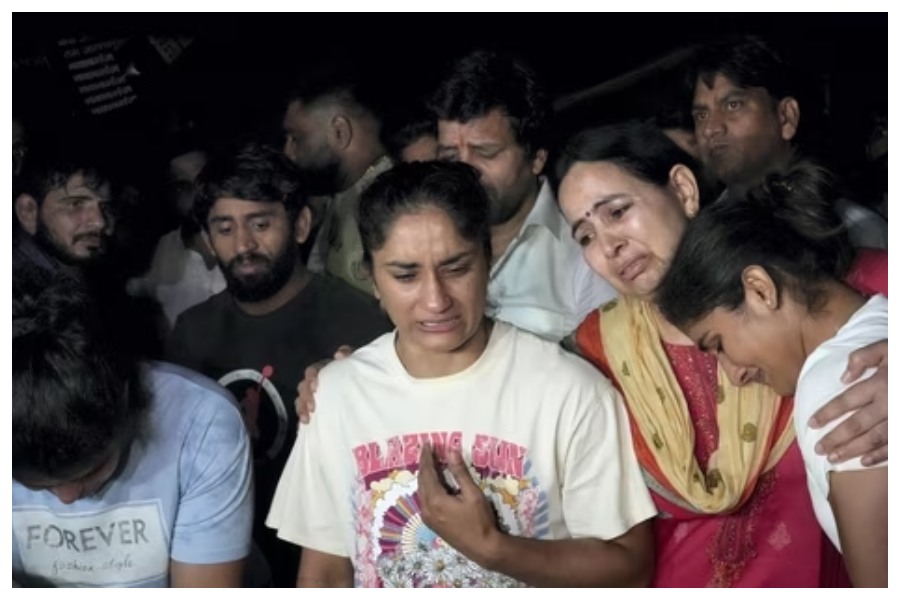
(539, 160)
(341, 131)
(206, 243)
(302, 225)
(760, 291)
(28, 213)
(375, 291)
(788, 117)
(683, 182)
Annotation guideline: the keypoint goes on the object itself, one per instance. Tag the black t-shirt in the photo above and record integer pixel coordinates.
(261, 359)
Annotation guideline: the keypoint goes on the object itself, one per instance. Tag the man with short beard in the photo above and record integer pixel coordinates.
(274, 317)
(62, 211)
(332, 128)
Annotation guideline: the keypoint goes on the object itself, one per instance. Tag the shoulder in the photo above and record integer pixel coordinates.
(181, 391)
(210, 309)
(376, 355)
(335, 289)
(819, 379)
(354, 311)
(540, 359)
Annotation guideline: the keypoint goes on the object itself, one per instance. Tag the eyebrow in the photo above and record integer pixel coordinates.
(729, 94)
(486, 146)
(81, 197)
(247, 217)
(447, 261)
(598, 204)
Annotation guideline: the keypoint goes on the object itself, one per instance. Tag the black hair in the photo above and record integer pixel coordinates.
(638, 147)
(77, 391)
(788, 225)
(412, 127)
(255, 173)
(346, 83)
(53, 161)
(485, 80)
(747, 61)
(409, 188)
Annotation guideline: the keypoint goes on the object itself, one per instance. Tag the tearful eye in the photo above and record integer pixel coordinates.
(585, 239)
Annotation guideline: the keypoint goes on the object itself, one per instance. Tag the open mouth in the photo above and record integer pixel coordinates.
(439, 325)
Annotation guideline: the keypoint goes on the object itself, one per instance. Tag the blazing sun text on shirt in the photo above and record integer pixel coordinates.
(396, 549)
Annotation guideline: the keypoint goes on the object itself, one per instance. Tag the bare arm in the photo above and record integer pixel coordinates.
(465, 521)
(318, 569)
(626, 561)
(859, 500)
(865, 432)
(188, 575)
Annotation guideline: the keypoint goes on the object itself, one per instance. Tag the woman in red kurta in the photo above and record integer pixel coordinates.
(720, 460)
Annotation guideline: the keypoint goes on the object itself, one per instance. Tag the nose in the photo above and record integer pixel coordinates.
(289, 149)
(95, 218)
(739, 376)
(245, 240)
(68, 492)
(713, 126)
(437, 299)
(610, 243)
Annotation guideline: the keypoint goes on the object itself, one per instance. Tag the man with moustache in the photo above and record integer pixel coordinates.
(746, 115)
(492, 113)
(273, 318)
(62, 211)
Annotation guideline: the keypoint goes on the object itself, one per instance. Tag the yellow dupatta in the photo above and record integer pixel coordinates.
(755, 428)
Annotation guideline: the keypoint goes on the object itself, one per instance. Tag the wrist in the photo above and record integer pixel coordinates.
(490, 554)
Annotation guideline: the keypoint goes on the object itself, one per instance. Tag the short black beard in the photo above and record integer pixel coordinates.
(323, 180)
(265, 285)
(49, 245)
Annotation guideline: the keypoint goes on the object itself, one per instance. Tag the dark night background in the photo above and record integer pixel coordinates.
(230, 80)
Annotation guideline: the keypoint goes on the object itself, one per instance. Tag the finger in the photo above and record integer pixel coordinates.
(843, 434)
(872, 440)
(461, 473)
(853, 398)
(300, 409)
(311, 374)
(870, 356)
(428, 480)
(343, 351)
(876, 457)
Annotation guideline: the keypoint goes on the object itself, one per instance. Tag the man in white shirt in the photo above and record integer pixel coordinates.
(492, 113)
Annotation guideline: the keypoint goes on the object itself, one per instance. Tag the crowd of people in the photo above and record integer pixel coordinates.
(645, 357)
